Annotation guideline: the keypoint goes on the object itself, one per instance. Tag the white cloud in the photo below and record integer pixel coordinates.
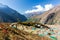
(39, 8)
(48, 7)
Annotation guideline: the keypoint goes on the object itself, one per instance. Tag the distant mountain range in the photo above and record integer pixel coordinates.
(49, 17)
(10, 15)
(29, 15)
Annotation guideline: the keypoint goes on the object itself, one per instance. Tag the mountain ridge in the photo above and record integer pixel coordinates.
(8, 14)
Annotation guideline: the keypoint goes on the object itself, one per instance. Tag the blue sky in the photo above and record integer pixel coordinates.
(23, 5)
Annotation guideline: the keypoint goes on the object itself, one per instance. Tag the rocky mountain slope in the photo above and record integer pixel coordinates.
(10, 15)
(49, 17)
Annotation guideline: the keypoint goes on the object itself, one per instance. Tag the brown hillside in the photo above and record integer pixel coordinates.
(49, 17)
